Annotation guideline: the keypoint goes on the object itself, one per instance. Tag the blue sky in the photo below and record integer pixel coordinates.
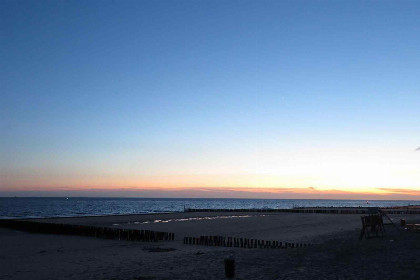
(113, 93)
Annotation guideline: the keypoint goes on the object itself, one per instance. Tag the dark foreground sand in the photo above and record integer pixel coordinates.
(337, 253)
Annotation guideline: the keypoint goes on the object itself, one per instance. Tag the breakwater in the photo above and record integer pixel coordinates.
(221, 241)
(91, 231)
(312, 210)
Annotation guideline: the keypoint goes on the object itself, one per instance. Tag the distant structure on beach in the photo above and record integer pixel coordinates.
(418, 149)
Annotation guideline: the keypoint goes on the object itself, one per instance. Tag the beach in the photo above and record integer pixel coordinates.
(335, 252)
(189, 140)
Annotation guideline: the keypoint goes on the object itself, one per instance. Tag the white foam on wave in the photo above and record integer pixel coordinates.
(197, 219)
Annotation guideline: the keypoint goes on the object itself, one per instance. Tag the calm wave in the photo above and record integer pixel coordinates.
(20, 207)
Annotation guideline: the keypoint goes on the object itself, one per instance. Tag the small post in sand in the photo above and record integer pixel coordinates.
(230, 267)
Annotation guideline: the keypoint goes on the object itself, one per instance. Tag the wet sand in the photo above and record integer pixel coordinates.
(336, 254)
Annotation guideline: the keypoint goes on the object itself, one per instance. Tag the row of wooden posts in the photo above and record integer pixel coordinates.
(320, 211)
(143, 235)
(237, 242)
(92, 231)
(407, 211)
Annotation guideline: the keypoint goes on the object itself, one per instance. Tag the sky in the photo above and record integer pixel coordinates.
(256, 99)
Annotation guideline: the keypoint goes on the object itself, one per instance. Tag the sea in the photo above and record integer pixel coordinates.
(42, 207)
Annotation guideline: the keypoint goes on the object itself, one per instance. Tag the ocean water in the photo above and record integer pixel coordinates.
(29, 207)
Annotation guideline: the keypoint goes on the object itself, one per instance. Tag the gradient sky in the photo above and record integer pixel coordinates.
(201, 98)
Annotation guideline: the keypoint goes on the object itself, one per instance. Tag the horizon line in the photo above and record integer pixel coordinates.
(238, 198)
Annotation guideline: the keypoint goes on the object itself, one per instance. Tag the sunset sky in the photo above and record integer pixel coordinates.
(256, 99)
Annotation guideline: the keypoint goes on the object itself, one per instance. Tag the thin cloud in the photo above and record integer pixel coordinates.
(224, 192)
(401, 191)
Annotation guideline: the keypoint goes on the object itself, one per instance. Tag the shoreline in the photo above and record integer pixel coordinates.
(409, 209)
(281, 226)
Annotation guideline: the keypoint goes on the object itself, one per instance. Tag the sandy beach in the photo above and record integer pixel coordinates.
(286, 227)
(336, 253)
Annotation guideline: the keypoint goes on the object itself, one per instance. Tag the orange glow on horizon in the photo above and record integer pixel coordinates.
(334, 185)
(165, 188)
